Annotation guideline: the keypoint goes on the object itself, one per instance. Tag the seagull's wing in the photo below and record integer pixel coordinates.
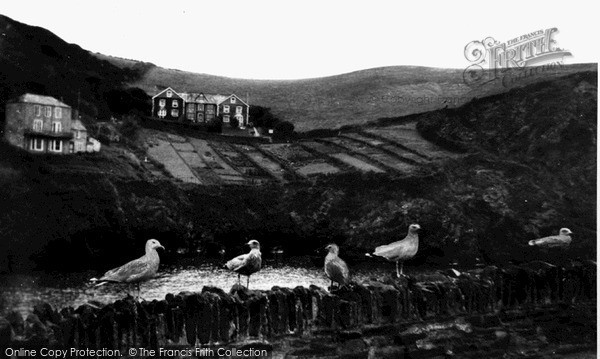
(130, 272)
(390, 251)
(551, 241)
(337, 270)
(236, 263)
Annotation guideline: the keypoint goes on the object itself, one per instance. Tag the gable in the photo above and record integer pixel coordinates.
(194, 97)
(238, 101)
(164, 93)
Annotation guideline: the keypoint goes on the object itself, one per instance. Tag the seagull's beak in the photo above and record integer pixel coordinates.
(161, 247)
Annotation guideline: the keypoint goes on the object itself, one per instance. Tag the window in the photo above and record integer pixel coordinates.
(38, 110)
(56, 126)
(200, 117)
(174, 113)
(238, 109)
(37, 144)
(200, 107)
(169, 93)
(37, 125)
(174, 103)
(77, 134)
(48, 111)
(56, 146)
(162, 113)
(226, 109)
(191, 108)
(162, 102)
(57, 112)
(190, 116)
(233, 99)
(210, 108)
(226, 118)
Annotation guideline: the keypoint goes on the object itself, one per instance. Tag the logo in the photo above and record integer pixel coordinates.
(515, 59)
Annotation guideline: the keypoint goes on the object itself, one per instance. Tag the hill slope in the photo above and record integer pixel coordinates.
(526, 173)
(33, 59)
(347, 99)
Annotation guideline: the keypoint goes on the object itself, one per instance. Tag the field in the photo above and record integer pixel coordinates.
(407, 136)
(396, 149)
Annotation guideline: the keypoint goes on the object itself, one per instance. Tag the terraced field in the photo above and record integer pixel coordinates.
(407, 136)
(396, 149)
(295, 157)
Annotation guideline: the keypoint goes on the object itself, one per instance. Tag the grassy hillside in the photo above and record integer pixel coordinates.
(347, 99)
(33, 59)
(530, 168)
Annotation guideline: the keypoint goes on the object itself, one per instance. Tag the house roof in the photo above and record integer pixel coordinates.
(216, 98)
(78, 125)
(165, 90)
(199, 97)
(39, 99)
(195, 97)
(236, 96)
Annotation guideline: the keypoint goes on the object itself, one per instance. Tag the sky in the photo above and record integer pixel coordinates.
(264, 39)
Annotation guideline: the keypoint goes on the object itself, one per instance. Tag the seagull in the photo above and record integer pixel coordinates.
(562, 240)
(136, 271)
(335, 267)
(246, 264)
(401, 250)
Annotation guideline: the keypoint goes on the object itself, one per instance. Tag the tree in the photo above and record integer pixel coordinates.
(129, 128)
(284, 129)
(262, 117)
(215, 125)
(234, 123)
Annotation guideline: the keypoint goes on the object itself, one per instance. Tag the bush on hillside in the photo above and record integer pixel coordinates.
(215, 125)
(132, 100)
(129, 128)
(284, 130)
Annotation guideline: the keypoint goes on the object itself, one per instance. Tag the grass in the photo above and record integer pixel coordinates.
(348, 99)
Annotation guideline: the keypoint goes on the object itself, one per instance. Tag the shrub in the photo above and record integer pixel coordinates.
(215, 125)
(284, 127)
(129, 128)
(284, 130)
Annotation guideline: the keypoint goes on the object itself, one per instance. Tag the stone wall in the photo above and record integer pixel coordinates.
(444, 314)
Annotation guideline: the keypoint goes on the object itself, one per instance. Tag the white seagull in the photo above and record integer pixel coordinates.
(563, 239)
(136, 271)
(246, 264)
(335, 267)
(401, 250)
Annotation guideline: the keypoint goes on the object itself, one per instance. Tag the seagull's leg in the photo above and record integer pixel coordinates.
(402, 268)
(397, 270)
(238, 279)
(138, 290)
(248, 282)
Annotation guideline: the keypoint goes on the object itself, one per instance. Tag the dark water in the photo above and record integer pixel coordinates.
(20, 292)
